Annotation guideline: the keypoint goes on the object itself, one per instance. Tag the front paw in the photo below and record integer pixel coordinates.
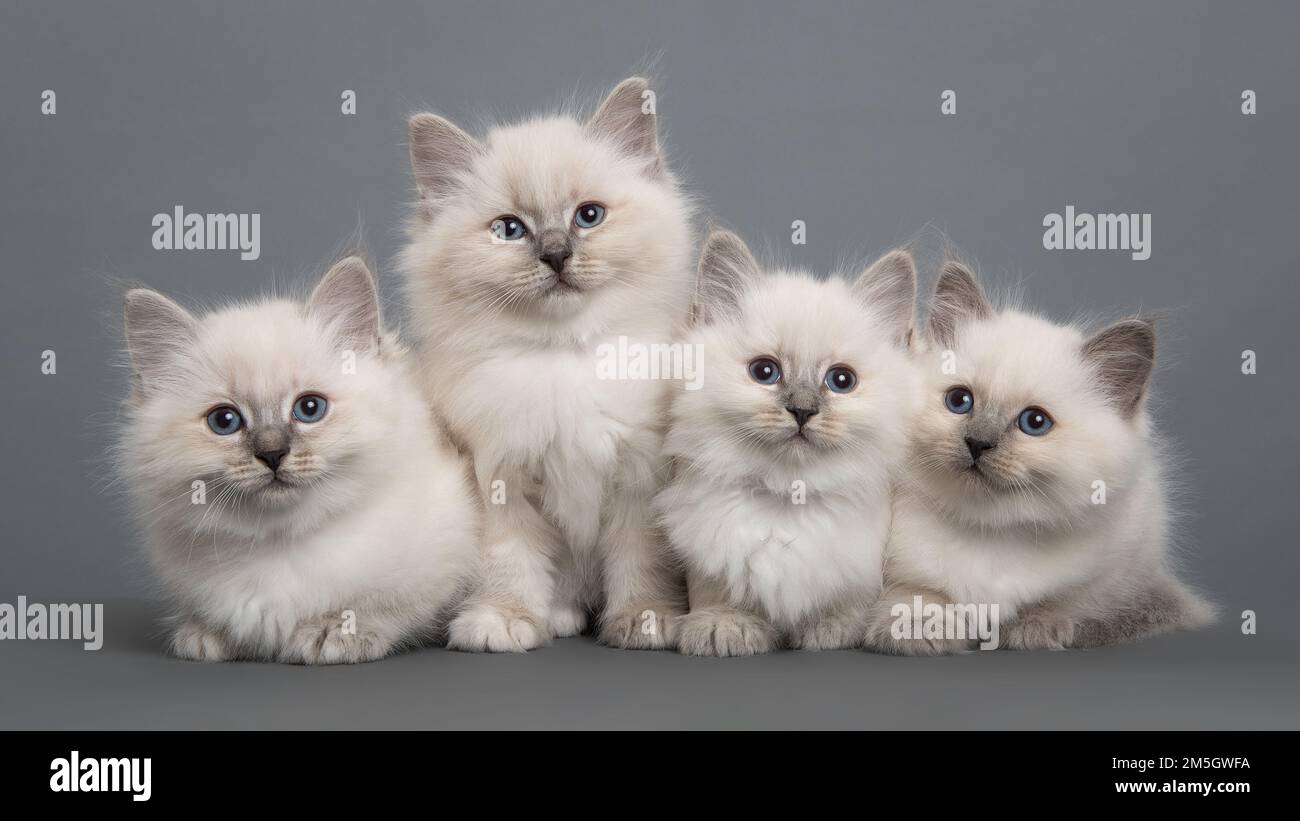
(919, 647)
(649, 626)
(1040, 634)
(568, 620)
(195, 641)
(725, 632)
(487, 629)
(884, 636)
(324, 640)
(833, 633)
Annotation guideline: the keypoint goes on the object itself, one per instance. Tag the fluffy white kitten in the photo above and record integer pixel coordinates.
(784, 461)
(1000, 504)
(332, 523)
(532, 248)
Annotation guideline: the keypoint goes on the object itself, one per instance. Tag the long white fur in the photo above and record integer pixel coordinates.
(1063, 570)
(567, 462)
(783, 538)
(380, 519)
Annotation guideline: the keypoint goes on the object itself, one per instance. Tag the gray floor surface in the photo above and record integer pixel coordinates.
(1215, 679)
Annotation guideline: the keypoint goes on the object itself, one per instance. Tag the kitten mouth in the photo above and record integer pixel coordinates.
(277, 484)
(560, 284)
(565, 287)
(984, 478)
(802, 438)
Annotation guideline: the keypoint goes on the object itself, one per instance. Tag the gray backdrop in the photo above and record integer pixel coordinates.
(828, 112)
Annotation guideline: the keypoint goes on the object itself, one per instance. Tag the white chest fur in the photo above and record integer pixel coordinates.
(1010, 569)
(411, 542)
(548, 416)
(793, 560)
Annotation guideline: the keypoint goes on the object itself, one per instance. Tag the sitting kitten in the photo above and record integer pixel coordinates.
(533, 250)
(298, 503)
(784, 460)
(1000, 502)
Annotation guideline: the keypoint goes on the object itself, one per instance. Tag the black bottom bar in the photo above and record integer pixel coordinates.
(327, 769)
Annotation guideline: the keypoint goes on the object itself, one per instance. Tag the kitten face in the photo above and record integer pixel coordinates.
(549, 219)
(255, 401)
(799, 372)
(1034, 415)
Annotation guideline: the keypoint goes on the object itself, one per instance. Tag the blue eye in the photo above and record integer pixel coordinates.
(224, 420)
(589, 215)
(841, 379)
(959, 400)
(309, 408)
(765, 371)
(1034, 421)
(508, 228)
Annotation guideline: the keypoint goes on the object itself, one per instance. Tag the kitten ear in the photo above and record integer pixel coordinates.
(726, 269)
(627, 117)
(1123, 356)
(889, 285)
(347, 299)
(440, 152)
(156, 329)
(958, 298)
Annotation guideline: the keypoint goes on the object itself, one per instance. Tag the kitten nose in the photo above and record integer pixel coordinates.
(976, 447)
(555, 258)
(272, 458)
(801, 415)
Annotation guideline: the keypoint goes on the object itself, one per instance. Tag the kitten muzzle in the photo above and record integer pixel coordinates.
(802, 414)
(270, 447)
(555, 249)
(272, 458)
(977, 447)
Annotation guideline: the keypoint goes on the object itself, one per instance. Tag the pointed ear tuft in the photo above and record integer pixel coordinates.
(627, 118)
(889, 286)
(156, 330)
(957, 299)
(347, 299)
(726, 269)
(1124, 355)
(440, 153)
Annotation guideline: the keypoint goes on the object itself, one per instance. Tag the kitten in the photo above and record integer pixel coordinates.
(297, 501)
(784, 461)
(530, 250)
(1000, 504)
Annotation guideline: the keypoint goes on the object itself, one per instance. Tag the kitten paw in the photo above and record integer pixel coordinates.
(650, 626)
(322, 640)
(725, 632)
(1039, 634)
(834, 633)
(194, 641)
(889, 645)
(486, 629)
(569, 620)
(881, 639)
